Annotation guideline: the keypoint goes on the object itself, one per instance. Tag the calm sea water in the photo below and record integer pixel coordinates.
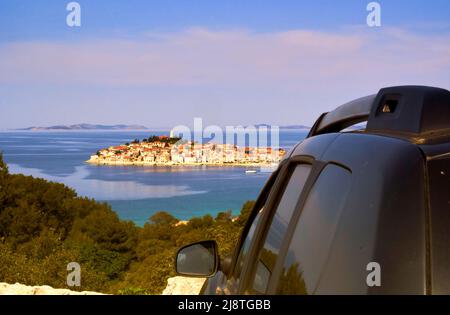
(135, 193)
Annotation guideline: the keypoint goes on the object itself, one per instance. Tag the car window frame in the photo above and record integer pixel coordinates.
(260, 202)
(250, 264)
(228, 280)
(274, 280)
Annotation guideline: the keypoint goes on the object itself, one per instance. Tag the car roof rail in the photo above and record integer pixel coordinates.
(403, 110)
(346, 115)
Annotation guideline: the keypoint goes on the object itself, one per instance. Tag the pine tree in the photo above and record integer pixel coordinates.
(3, 166)
(3, 179)
(3, 182)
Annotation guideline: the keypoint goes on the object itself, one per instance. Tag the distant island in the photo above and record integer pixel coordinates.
(86, 127)
(164, 150)
(133, 127)
(286, 127)
(295, 127)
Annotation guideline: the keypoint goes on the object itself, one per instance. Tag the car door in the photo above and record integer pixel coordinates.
(439, 203)
(294, 247)
(304, 258)
(274, 221)
(229, 284)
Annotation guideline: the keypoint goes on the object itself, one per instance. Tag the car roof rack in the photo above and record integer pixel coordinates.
(411, 111)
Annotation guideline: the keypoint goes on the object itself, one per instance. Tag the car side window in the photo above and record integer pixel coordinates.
(243, 251)
(246, 245)
(314, 233)
(278, 226)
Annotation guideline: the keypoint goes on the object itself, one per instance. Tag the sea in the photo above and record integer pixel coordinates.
(134, 192)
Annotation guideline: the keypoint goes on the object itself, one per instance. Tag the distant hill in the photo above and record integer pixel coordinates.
(293, 127)
(87, 127)
(133, 127)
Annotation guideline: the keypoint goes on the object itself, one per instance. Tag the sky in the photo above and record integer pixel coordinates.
(162, 63)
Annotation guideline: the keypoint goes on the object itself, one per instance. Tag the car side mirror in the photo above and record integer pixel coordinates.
(199, 259)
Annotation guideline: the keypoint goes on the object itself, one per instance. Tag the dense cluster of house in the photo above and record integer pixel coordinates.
(162, 151)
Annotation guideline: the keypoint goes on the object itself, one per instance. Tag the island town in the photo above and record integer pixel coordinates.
(164, 150)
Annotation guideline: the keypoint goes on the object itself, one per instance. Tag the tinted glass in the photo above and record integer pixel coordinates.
(314, 232)
(246, 245)
(251, 232)
(278, 227)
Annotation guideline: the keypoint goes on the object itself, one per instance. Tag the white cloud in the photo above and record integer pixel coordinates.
(225, 77)
(238, 57)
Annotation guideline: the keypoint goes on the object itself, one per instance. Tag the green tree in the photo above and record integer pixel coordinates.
(245, 212)
(45, 225)
(163, 217)
(3, 167)
(3, 181)
(224, 216)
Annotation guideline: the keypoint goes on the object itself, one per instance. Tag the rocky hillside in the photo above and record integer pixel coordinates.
(183, 286)
(20, 289)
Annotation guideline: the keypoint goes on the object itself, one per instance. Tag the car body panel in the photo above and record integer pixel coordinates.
(396, 213)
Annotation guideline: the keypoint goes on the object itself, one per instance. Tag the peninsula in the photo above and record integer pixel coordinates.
(168, 151)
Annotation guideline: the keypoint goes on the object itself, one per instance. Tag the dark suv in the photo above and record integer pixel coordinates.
(349, 211)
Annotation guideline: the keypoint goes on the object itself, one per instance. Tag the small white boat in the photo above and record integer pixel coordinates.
(250, 171)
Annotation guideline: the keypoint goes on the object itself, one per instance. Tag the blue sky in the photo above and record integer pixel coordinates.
(45, 19)
(162, 63)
